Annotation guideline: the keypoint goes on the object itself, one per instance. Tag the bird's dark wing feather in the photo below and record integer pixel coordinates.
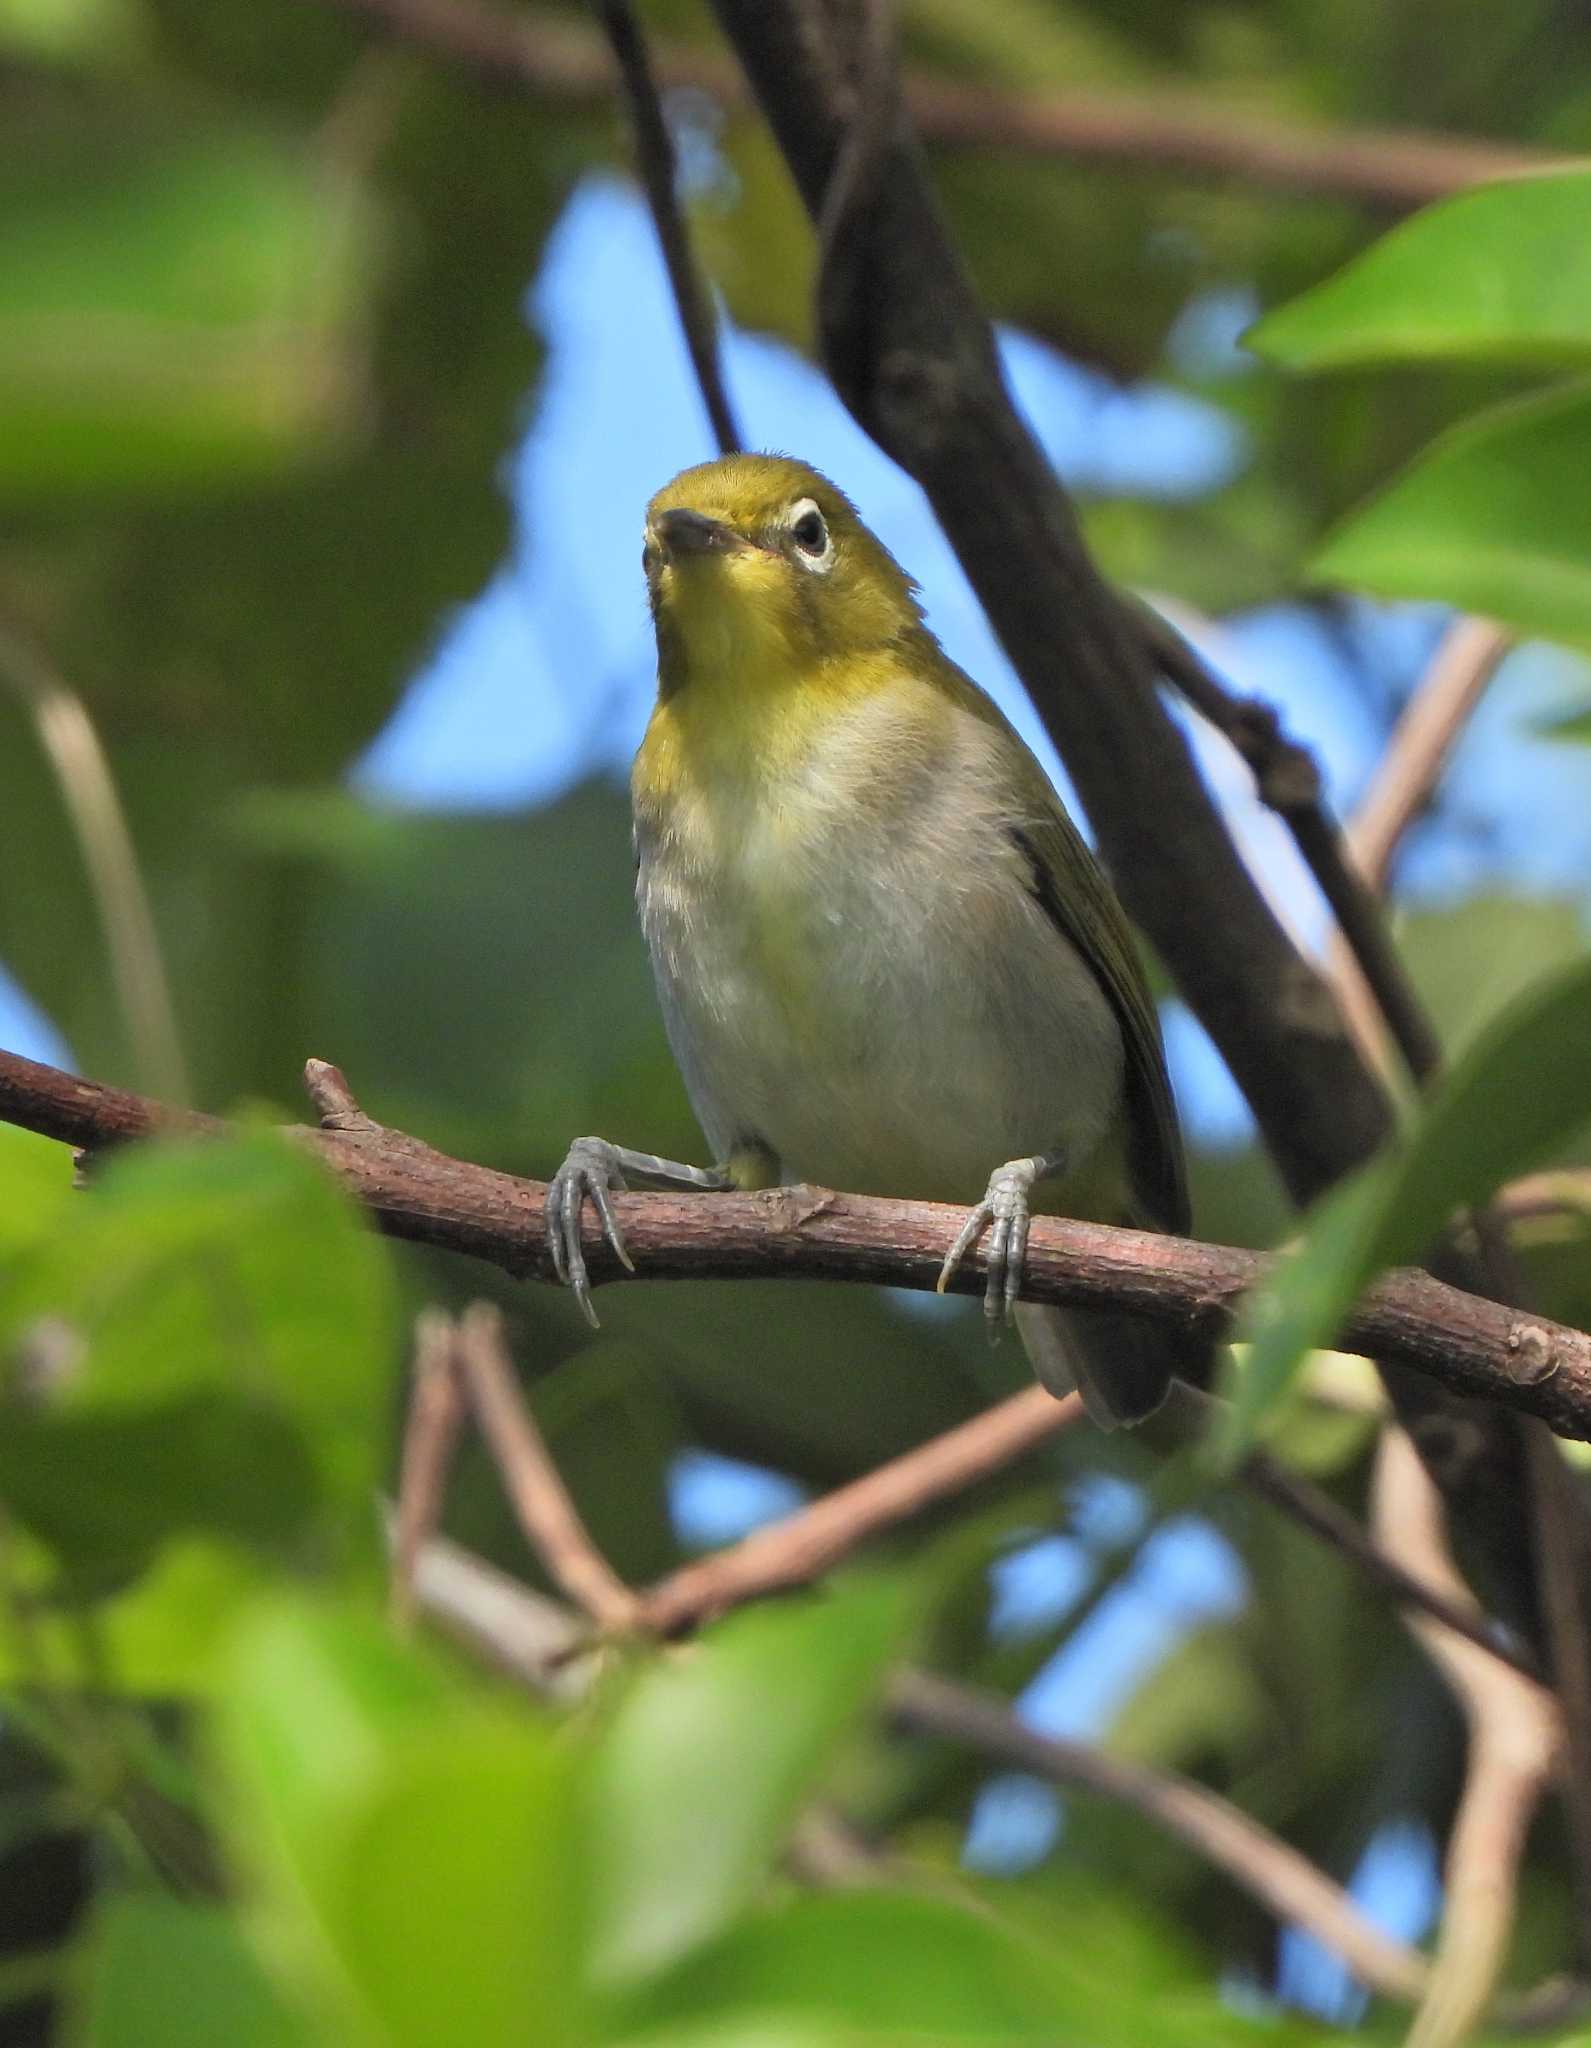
(1075, 896)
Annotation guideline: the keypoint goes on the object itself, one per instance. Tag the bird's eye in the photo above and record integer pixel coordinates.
(808, 530)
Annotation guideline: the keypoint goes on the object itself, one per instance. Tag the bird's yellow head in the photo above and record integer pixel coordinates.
(760, 570)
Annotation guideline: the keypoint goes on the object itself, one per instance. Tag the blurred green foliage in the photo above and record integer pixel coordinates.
(262, 352)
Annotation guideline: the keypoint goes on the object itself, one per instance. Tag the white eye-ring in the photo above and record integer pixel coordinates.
(809, 530)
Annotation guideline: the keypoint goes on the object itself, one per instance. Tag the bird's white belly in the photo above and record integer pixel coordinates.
(883, 1018)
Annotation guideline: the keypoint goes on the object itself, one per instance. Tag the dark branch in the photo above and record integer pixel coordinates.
(911, 352)
(1288, 782)
(654, 153)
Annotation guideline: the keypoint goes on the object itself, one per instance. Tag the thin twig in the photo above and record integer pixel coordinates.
(71, 744)
(526, 1636)
(1416, 754)
(654, 152)
(1288, 782)
(809, 1542)
(1286, 1883)
(548, 56)
(430, 1437)
(1317, 1511)
(548, 1517)
(1470, 1345)
(1470, 653)
(1515, 1734)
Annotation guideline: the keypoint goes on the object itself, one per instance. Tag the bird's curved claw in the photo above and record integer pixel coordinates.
(590, 1169)
(1005, 1208)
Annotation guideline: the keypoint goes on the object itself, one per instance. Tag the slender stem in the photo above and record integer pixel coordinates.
(88, 789)
(654, 151)
(1286, 1883)
(547, 1515)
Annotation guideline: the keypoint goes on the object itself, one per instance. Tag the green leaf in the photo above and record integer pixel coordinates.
(35, 1184)
(68, 31)
(1570, 725)
(413, 1846)
(1494, 518)
(708, 1761)
(1501, 272)
(164, 1974)
(201, 1344)
(1511, 1102)
(165, 1636)
(880, 1965)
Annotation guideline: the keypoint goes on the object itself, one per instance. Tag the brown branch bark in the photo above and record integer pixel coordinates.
(547, 1516)
(553, 57)
(1515, 1737)
(430, 1437)
(1470, 1345)
(807, 1543)
(1286, 1883)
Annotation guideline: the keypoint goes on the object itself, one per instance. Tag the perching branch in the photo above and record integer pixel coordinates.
(553, 58)
(1470, 1345)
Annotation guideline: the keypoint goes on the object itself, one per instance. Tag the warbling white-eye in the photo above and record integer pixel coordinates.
(887, 961)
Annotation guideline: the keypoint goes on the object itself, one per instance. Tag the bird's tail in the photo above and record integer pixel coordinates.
(1121, 1365)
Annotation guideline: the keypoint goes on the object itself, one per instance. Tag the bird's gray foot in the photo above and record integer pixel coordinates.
(591, 1169)
(1004, 1212)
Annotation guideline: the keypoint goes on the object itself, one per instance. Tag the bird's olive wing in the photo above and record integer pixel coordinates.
(1074, 894)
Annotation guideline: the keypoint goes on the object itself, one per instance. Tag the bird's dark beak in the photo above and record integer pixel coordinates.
(693, 533)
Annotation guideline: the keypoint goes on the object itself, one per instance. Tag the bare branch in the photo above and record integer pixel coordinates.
(1288, 782)
(803, 1545)
(549, 1518)
(430, 1437)
(1515, 1735)
(1286, 1883)
(1468, 657)
(548, 56)
(529, 1638)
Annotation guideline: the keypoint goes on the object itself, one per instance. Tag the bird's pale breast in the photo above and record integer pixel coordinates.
(853, 968)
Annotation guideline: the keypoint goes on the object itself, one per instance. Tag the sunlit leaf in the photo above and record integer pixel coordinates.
(1497, 272)
(881, 1965)
(201, 1343)
(1512, 1101)
(412, 1843)
(1494, 518)
(35, 1186)
(1571, 725)
(708, 1761)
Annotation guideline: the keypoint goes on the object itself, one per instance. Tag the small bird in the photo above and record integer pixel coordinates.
(886, 959)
